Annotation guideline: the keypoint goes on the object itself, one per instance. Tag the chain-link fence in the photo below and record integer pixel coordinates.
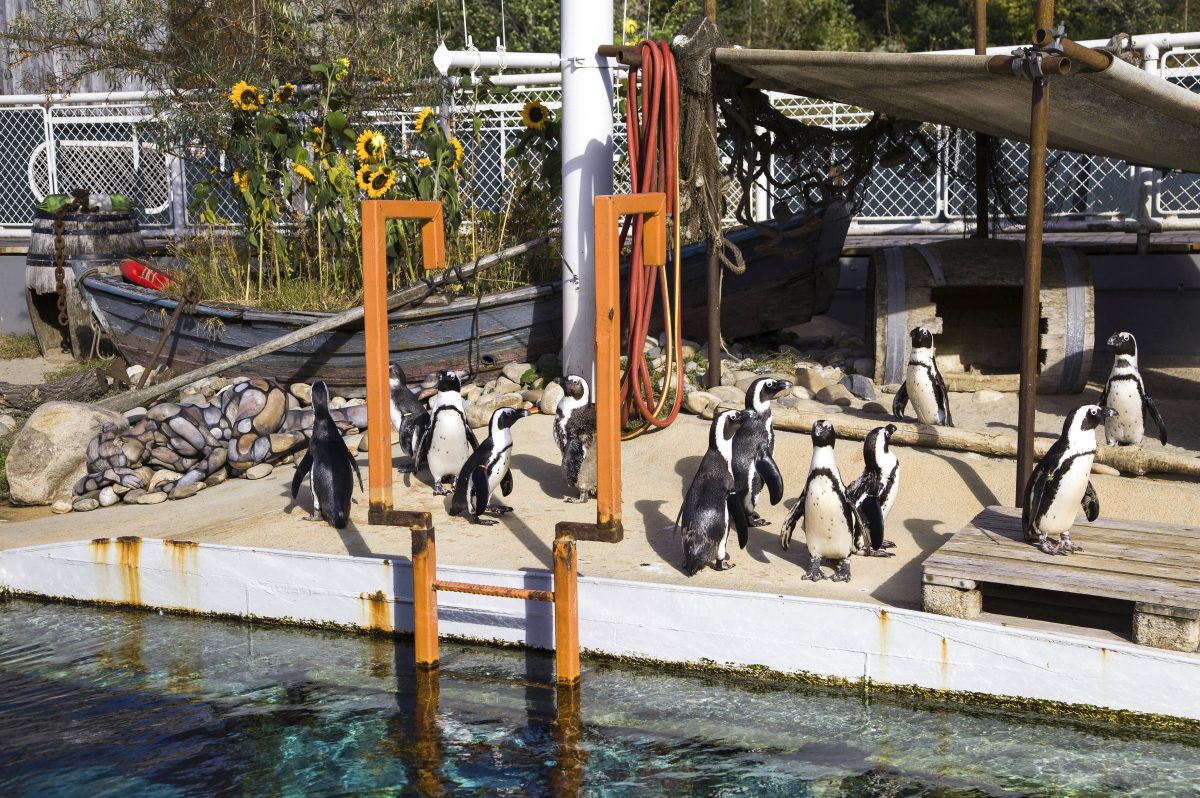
(110, 147)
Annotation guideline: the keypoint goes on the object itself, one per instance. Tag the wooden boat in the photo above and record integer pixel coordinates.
(474, 334)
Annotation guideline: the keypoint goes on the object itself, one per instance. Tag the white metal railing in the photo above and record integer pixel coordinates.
(106, 142)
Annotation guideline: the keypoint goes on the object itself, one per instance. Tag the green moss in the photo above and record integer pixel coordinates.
(15, 345)
(73, 368)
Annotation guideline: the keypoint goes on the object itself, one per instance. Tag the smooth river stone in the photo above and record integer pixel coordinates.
(152, 498)
(108, 497)
(259, 471)
(84, 505)
(268, 420)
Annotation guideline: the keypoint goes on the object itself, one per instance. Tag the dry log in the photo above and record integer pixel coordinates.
(408, 296)
(83, 387)
(1127, 459)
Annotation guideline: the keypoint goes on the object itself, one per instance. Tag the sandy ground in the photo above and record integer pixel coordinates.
(940, 492)
(28, 370)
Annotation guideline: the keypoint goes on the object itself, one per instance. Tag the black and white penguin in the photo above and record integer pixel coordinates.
(329, 462)
(409, 418)
(754, 448)
(1126, 393)
(1060, 484)
(833, 527)
(448, 440)
(575, 434)
(923, 384)
(711, 503)
(487, 468)
(880, 477)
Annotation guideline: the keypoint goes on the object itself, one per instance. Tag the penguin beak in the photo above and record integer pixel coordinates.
(522, 413)
(1108, 412)
(1113, 339)
(890, 429)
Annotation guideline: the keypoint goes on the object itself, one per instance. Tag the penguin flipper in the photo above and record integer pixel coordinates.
(900, 402)
(354, 465)
(769, 472)
(1090, 503)
(1035, 489)
(1148, 406)
(458, 501)
(471, 439)
(872, 517)
(301, 472)
(943, 396)
(737, 514)
(506, 483)
(789, 524)
(479, 482)
(426, 438)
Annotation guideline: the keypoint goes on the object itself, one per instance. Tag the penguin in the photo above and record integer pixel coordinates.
(486, 468)
(923, 384)
(754, 448)
(833, 527)
(712, 503)
(575, 434)
(880, 477)
(1126, 393)
(409, 418)
(1059, 485)
(329, 461)
(448, 440)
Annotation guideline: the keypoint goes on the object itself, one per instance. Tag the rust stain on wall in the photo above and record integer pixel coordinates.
(377, 611)
(129, 551)
(944, 664)
(183, 561)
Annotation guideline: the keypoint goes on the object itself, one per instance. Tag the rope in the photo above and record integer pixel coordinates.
(466, 38)
(652, 123)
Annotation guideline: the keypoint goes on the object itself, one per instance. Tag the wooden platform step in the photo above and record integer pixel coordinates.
(1154, 566)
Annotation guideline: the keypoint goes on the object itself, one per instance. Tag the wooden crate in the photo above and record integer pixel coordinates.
(1154, 566)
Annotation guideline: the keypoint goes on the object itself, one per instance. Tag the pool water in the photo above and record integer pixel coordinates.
(104, 702)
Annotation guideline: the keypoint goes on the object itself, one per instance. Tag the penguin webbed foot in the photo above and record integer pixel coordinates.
(314, 516)
(842, 574)
(755, 519)
(722, 565)
(814, 572)
(439, 489)
(1049, 546)
(879, 552)
(499, 509)
(887, 544)
(580, 499)
(479, 519)
(1065, 546)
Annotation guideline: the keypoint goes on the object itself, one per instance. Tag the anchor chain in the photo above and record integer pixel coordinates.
(60, 278)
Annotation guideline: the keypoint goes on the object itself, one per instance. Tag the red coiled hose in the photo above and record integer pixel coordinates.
(652, 128)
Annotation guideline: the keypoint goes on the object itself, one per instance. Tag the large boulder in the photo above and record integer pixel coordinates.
(50, 452)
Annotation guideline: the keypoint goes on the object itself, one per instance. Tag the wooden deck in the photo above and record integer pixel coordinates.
(1154, 566)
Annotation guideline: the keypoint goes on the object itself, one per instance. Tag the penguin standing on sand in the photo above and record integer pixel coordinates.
(1126, 393)
(923, 384)
(880, 477)
(754, 447)
(448, 441)
(575, 434)
(712, 504)
(487, 468)
(409, 418)
(833, 527)
(1060, 483)
(329, 461)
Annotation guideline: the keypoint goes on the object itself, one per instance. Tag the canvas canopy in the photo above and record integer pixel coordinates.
(1119, 112)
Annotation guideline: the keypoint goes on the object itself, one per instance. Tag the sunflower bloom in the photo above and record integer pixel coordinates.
(285, 92)
(381, 179)
(305, 173)
(241, 180)
(424, 163)
(458, 153)
(422, 117)
(534, 115)
(321, 145)
(363, 176)
(371, 146)
(245, 97)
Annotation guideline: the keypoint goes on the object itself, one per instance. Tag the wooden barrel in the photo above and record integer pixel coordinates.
(968, 294)
(90, 240)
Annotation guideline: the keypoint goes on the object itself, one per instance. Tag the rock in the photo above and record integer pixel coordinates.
(864, 366)
(728, 379)
(216, 478)
(478, 415)
(689, 350)
(161, 476)
(8, 424)
(364, 442)
(85, 505)
(52, 448)
(187, 490)
(135, 415)
(473, 393)
(426, 394)
(697, 402)
(152, 498)
(146, 473)
(1101, 468)
(163, 411)
(876, 408)
(108, 497)
(551, 395)
(533, 395)
(61, 506)
(282, 442)
(860, 386)
(337, 402)
(192, 399)
(302, 391)
(120, 490)
(135, 373)
(515, 371)
(355, 401)
(834, 395)
(816, 408)
(809, 379)
(132, 496)
(986, 395)
(505, 385)
(798, 392)
(691, 367)
(353, 441)
(259, 471)
(729, 394)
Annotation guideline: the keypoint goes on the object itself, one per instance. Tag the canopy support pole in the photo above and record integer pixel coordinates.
(983, 149)
(1031, 296)
(713, 378)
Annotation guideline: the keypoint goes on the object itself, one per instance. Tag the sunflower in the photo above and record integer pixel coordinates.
(371, 147)
(241, 180)
(245, 97)
(381, 179)
(424, 163)
(458, 152)
(422, 117)
(534, 115)
(321, 145)
(305, 173)
(285, 92)
(363, 176)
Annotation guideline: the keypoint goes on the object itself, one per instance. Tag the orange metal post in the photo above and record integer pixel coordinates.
(566, 610)
(609, 209)
(425, 618)
(375, 214)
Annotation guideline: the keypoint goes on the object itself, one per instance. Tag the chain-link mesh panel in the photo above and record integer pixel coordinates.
(1179, 192)
(23, 169)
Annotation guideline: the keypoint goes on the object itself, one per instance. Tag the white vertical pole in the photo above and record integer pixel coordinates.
(1146, 178)
(587, 167)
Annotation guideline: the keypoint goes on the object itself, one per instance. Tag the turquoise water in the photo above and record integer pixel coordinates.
(101, 702)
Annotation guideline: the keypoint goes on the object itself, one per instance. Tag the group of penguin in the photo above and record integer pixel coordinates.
(440, 439)
(840, 520)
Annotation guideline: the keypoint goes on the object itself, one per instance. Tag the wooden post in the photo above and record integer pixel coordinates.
(375, 214)
(609, 209)
(566, 611)
(713, 263)
(983, 164)
(425, 617)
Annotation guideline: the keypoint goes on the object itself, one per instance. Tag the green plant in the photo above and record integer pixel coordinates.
(15, 345)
